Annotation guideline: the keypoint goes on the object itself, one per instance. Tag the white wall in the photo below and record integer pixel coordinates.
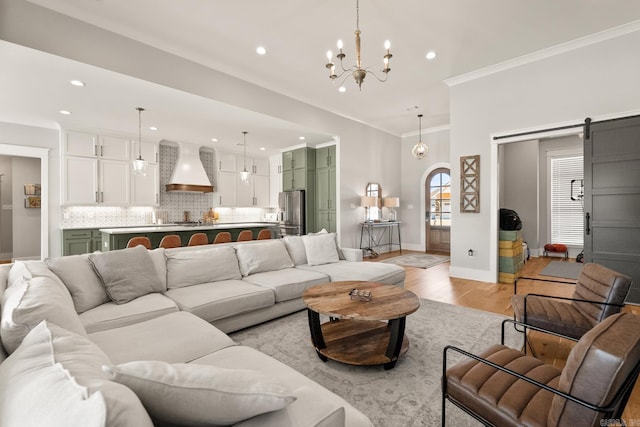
(28, 136)
(26, 221)
(6, 220)
(593, 81)
(414, 174)
(364, 153)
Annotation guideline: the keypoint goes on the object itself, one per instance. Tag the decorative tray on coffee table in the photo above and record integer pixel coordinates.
(360, 295)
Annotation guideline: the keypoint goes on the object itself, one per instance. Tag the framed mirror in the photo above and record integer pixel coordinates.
(373, 189)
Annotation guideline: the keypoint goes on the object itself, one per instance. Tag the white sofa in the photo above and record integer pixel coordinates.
(134, 333)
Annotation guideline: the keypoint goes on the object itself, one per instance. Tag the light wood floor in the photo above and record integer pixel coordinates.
(434, 283)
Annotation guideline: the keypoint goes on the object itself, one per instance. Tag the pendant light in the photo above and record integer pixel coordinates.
(139, 164)
(420, 149)
(244, 175)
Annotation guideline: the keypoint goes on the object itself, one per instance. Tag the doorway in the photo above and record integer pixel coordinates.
(438, 210)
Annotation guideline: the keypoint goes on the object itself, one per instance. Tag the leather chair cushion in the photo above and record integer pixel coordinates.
(553, 315)
(501, 398)
(598, 283)
(596, 367)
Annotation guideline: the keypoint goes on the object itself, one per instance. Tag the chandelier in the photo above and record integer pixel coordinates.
(356, 70)
(420, 149)
(244, 175)
(139, 164)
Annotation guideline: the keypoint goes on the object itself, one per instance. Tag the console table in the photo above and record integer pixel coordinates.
(375, 231)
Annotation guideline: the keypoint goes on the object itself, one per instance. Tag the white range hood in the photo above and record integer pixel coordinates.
(189, 174)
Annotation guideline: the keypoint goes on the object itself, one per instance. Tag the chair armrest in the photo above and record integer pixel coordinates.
(606, 409)
(352, 254)
(532, 327)
(515, 282)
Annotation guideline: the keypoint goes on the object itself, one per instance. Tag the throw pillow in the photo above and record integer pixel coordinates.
(265, 255)
(126, 274)
(55, 376)
(78, 275)
(192, 267)
(30, 301)
(191, 394)
(320, 249)
(295, 248)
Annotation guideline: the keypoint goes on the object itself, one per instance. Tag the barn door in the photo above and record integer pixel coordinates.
(612, 197)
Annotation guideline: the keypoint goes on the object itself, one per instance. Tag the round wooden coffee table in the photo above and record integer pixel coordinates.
(360, 332)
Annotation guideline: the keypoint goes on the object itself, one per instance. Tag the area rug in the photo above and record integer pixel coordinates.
(417, 260)
(409, 394)
(564, 269)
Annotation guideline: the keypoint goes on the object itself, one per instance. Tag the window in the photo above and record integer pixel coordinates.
(374, 190)
(440, 200)
(567, 215)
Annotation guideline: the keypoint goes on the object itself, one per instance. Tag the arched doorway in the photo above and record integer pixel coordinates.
(438, 210)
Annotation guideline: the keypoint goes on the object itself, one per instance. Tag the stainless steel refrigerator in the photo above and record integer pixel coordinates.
(291, 215)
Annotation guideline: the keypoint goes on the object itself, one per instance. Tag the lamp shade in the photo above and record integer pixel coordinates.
(368, 201)
(391, 202)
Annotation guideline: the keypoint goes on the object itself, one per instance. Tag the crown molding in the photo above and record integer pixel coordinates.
(581, 42)
(434, 129)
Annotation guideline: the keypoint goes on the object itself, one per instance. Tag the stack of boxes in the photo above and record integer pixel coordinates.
(511, 256)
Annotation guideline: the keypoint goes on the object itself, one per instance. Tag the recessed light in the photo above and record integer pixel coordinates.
(153, 128)
(431, 55)
(301, 138)
(260, 50)
(342, 89)
(65, 112)
(214, 139)
(76, 83)
(263, 149)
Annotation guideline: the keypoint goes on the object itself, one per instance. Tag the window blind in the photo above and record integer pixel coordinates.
(567, 218)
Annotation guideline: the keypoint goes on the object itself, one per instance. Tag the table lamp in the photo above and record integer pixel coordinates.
(368, 202)
(391, 202)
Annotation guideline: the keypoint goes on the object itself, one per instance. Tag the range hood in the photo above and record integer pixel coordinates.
(189, 174)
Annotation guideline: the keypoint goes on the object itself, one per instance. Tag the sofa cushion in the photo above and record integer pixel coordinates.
(242, 357)
(265, 255)
(307, 410)
(55, 375)
(288, 283)
(77, 274)
(389, 274)
(178, 337)
(160, 263)
(295, 248)
(320, 249)
(112, 315)
(217, 300)
(192, 394)
(30, 301)
(186, 268)
(126, 274)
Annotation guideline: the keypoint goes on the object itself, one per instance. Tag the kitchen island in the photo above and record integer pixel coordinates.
(117, 238)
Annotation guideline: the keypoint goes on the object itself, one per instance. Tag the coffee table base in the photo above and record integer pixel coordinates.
(360, 342)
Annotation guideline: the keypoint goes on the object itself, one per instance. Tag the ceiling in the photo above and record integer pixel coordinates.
(467, 35)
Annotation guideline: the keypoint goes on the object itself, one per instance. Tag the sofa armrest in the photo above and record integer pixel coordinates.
(352, 254)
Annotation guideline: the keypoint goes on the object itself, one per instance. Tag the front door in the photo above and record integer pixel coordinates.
(612, 197)
(438, 210)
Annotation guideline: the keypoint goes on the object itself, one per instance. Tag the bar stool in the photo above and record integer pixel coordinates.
(222, 237)
(198, 239)
(139, 240)
(170, 241)
(264, 234)
(244, 236)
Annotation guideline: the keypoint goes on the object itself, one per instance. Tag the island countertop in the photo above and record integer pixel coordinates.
(173, 228)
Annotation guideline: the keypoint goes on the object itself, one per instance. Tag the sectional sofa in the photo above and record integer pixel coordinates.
(138, 338)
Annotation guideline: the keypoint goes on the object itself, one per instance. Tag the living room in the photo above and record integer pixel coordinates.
(593, 75)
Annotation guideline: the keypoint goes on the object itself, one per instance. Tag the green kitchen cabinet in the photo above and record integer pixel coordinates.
(81, 241)
(299, 173)
(325, 183)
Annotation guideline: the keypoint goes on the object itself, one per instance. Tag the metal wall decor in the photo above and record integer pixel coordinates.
(470, 184)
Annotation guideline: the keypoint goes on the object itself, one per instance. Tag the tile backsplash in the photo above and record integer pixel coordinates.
(173, 203)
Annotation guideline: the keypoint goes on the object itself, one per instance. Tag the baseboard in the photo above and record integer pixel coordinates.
(472, 274)
(413, 247)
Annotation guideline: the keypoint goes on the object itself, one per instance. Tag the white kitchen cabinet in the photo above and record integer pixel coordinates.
(114, 148)
(244, 191)
(226, 189)
(261, 187)
(275, 178)
(149, 152)
(114, 185)
(259, 166)
(80, 144)
(80, 183)
(145, 190)
(227, 162)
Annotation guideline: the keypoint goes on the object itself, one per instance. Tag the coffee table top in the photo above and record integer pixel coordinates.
(387, 301)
